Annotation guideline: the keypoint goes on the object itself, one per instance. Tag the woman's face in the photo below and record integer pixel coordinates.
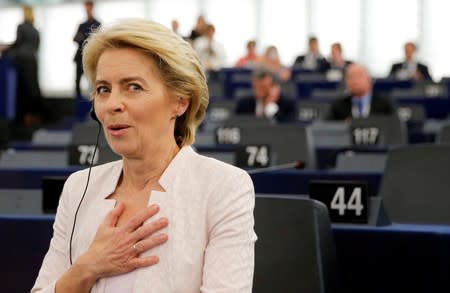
(132, 103)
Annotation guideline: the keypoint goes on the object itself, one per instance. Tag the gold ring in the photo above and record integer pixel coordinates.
(135, 248)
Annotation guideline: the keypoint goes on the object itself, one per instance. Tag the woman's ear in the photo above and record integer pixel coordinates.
(181, 106)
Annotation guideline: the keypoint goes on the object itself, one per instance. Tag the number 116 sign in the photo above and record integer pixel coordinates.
(347, 201)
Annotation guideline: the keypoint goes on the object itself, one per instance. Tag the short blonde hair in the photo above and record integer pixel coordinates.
(28, 14)
(178, 64)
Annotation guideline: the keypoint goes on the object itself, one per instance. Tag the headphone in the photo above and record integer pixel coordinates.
(94, 117)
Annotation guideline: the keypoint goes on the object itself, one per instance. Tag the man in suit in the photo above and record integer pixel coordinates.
(410, 68)
(81, 35)
(267, 100)
(312, 61)
(360, 101)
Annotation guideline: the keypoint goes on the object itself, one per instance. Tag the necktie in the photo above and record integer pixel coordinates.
(360, 106)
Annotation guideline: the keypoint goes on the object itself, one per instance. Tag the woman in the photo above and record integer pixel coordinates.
(271, 60)
(24, 52)
(162, 219)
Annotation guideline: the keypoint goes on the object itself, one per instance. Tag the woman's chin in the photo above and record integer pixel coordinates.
(124, 151)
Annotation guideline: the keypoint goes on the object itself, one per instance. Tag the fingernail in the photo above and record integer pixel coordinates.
(154, 208)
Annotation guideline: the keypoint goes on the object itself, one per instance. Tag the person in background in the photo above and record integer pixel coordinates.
(360, 102)
(250, 58)
(175, 26)
(337, 63)
(313, 60)
(199, 29)
(211, 52)
(271, 60)
(410, 68)
(163, 218)
(24, 54)
(267, 100)
(83, 31)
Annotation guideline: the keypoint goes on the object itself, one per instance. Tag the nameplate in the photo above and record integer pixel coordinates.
(83, 154)
(253, 156)
(228, 135)
(219, 114)
(365, 135)
(307, 114)
(405, 113)
(347, 201)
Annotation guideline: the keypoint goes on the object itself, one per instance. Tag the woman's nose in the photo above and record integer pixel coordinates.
(115, 101)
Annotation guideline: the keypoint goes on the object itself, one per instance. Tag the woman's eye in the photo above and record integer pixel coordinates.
(134, 87)
(102, 89)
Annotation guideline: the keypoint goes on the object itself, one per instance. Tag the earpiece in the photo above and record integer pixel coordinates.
(93, 115)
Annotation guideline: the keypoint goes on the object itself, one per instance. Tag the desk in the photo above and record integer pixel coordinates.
(281, 182)
(397, 258)
(297, 181)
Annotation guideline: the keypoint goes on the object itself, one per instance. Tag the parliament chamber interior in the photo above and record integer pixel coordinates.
(364, 202)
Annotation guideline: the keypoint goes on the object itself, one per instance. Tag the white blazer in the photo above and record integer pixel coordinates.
(209, 205)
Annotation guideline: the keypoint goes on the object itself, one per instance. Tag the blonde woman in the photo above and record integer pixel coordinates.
(164, 218)
(24, 53)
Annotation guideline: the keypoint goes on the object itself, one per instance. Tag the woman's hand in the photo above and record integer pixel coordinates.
(115, 250)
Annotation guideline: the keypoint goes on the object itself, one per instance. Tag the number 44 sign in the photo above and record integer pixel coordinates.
(347, 201)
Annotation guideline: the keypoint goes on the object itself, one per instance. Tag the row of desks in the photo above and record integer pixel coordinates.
(395, 258)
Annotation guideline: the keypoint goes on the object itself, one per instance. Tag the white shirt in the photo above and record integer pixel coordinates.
(210, 52)
(209, 205)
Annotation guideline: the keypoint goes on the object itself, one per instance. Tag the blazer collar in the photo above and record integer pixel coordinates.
(167, 177)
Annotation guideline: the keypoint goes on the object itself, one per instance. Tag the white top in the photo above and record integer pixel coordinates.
(209, 205)
(120, 283)
(210, 52)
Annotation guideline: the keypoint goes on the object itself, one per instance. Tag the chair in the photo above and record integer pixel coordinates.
(84, 138)
(288, 142)
(289, 89)
(360, 162)
(215, 89)
(309, 110)
(20, 201)
(444, 134)
(390, 130)
(219, 111)
(51, 137)
(295, 250)
(25, 243)
(33, 159)
(331, 133)
(415, 186)
(4, 133)
(412, 113)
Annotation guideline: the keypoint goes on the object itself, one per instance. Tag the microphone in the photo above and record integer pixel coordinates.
(297, 164)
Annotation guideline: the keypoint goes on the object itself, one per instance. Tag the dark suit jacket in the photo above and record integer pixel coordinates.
(81, 35)
(322, 64)
(286, 111)
(422, 68)
(27, 41)
(341, 109)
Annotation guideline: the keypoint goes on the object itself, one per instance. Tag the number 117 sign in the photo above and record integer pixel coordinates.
(347, 201)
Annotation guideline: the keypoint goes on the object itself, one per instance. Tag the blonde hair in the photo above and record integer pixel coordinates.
(28, 15)
(178, 64)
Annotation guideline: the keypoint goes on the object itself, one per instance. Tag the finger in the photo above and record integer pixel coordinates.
(150, 228)
(144, 262)
(152, 242)
(114, 215)
(140, 218)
